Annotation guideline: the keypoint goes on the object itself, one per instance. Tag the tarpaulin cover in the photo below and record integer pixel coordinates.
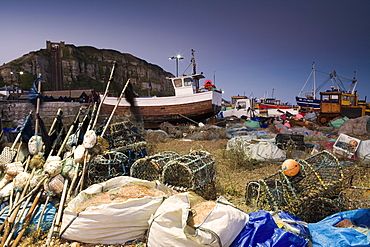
(338, 122)
(324, 233)
(261, 230)
(47, 217)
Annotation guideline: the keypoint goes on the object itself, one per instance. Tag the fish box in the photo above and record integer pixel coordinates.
(346, 146)
(283, 141)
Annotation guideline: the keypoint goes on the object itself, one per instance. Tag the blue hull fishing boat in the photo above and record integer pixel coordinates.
(310, 99)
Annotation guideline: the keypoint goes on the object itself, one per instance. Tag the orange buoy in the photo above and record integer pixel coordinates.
(290, 167)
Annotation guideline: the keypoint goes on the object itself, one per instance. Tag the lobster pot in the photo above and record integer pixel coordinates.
(310, 195)
(206, 156)
(272, 193)
(197, 173)
(106, 166)
(122, 134)
(322, 175)
(126, 138)
(150, 168)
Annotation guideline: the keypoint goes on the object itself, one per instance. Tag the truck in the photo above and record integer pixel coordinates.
(336, 103)
(248, 108)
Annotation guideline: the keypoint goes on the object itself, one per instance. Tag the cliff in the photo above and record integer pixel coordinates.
(85, 67)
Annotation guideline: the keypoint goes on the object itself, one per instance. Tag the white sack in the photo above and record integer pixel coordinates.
(363, 150)
(168, 226)
(257, 149)
(113, 223)
(265, 151)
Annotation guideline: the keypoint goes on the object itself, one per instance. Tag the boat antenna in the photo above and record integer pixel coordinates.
(214, 78)
(192, 60)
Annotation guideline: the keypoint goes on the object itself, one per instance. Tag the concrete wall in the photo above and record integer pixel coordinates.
(18, 111)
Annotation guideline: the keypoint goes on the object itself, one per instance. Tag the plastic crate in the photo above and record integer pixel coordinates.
(344, 147)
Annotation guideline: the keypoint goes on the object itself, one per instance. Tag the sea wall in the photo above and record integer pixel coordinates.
(17, 111)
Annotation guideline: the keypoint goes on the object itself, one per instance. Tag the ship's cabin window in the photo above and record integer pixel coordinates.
(350, 99)
(330, 98)
(241, 105)
(177, 82)
(346, 98)
(187, 81)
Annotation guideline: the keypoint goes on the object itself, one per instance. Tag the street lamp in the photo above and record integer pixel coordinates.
(177, 57)
(16, 77)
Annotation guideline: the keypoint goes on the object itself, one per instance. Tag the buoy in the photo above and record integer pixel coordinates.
(290, 167)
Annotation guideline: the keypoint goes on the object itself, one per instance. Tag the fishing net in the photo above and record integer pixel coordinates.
(354, 198)
(106, 166)
(195, 171)
(7, 156)
(311, 194)
(150, 168)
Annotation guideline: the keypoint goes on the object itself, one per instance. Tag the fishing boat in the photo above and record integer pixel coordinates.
(311, 98)
(192, 102)
(268, 106)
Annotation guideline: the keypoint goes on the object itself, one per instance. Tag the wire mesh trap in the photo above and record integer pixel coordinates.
(106, 166)
(125, 137)
(150, 168)
(318, 182)
(195, 171)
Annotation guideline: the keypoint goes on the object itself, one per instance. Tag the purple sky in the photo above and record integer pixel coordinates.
(249, 47)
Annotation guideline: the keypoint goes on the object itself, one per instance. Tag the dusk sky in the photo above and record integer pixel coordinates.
(248, 47)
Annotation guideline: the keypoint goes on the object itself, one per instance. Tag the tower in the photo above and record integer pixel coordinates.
(56, 50)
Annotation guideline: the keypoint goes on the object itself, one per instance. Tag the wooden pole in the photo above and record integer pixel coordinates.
(104, 96)
(27, 219)
(115, 107)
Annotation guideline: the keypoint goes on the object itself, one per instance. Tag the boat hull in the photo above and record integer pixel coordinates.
(307, 102)
(172, 109)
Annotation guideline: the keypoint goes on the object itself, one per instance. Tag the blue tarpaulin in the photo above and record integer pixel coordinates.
(261, 230)
(325, 234)
(47, 217)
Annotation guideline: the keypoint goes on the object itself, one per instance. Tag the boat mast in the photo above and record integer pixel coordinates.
(313, 75)
(193, 62)
(314, 81)
(354, 83)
